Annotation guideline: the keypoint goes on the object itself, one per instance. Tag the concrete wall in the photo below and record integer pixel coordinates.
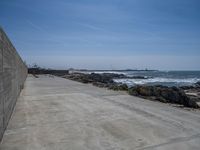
(13, 73)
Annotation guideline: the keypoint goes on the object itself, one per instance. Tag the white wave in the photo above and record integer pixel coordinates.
(101, 72)
(114, 72)
(156, 80)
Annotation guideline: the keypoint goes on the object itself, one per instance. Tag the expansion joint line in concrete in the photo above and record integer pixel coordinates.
(172, 141)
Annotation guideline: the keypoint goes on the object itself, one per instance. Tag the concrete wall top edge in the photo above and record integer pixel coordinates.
(5, 35)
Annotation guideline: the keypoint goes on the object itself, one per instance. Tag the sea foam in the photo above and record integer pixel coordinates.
(161, 81)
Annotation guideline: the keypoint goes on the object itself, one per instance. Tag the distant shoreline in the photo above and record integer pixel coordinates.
(118, 70)
(127, 70)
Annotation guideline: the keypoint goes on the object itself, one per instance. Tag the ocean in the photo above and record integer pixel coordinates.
(166, 78)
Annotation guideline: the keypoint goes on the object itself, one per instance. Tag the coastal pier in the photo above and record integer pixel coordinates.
(56, 113)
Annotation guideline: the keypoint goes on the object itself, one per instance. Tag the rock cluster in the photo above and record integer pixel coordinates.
(164, 94)
(105, 78)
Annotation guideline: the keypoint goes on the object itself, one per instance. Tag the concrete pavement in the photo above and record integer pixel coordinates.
(58, 114)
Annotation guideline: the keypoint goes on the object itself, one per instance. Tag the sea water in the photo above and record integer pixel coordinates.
(166, 78)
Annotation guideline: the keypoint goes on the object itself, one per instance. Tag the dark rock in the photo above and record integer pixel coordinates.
(123, 87)
(118, 87)
(104, 78)
(145, 91)
(194, 102)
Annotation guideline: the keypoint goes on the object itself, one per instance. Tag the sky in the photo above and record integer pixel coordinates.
(105, 34)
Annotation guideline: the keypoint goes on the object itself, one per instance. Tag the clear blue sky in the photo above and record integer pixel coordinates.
(105, 34)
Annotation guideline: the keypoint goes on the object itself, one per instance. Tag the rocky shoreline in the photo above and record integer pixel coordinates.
(187, 96)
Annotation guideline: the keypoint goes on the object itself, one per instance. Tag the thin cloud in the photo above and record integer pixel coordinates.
(34, 26)
(93, 27)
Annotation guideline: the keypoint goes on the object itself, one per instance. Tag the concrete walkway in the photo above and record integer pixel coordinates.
(58, 114)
